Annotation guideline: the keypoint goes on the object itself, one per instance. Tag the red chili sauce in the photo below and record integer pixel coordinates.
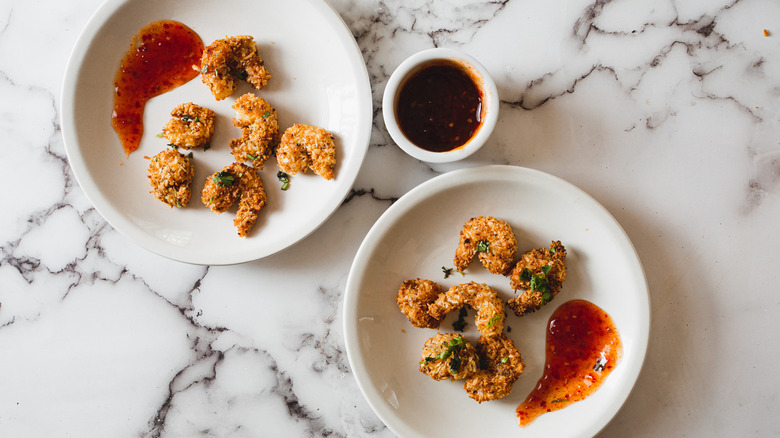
(583, 347)
(162, 55)
(439, 107)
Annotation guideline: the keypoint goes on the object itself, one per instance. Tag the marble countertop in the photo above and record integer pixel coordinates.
(666, 112)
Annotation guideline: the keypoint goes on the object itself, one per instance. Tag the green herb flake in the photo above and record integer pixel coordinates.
(178, 204)
(453, 347)
(207, 147)
(483, 245)
(461, 323)
(447, 271)
(196, 120)
(173, 146)
(526, 275)
(223, 179)
(252, 157)
(546, 269)
(186, 118)
(204, 69)
(505, 359)
(190, 155)
(267, 114)
(160, 135)
(493, 320)
(284, 178)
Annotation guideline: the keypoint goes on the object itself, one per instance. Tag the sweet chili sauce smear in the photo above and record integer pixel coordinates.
(163, 55)
(583, 347)
(439, 108)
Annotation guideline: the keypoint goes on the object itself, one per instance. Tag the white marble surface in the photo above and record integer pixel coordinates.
(667, 112)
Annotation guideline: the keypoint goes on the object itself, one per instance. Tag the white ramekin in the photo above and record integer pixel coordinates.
(490, 104)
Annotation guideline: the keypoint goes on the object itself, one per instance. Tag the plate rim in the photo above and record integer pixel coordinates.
(118, 221)
(428, 189)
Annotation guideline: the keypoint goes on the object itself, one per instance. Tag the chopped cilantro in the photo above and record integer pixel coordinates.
(453, 347)
(284, 178)
(447, 271)
(493, 320)
(483, 245)
(461, 323)
(223, 179)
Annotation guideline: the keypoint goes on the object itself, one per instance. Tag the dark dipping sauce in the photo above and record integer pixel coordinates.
(162, 55)
(439, 107)
(583, 347)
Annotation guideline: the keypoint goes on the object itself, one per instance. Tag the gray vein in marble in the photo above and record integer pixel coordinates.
(356, 193)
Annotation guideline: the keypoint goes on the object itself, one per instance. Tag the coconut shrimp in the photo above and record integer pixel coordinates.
(540, 273)
(307, 147)
(413, 299)
(191, 126)
(502, 366)
(500, 361)
(491, 239)
(259, 130)
(448, 356)
(170, 175)
(481, 297)
(236, 182)
(229, 59)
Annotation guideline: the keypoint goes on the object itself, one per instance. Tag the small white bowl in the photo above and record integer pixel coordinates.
(490, 103)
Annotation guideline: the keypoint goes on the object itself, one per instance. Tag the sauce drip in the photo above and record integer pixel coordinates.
(439, 108)
(583, 347)
(162, 55)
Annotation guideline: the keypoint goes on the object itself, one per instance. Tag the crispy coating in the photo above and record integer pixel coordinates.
(481, 297)
(413, 299)
(307, 147)
(191, 126)
(448, 356)
(170, 175)
(492, 239)
(531, 268)
(227, 60)
(236, 182)
(259, 130)
(502, 366)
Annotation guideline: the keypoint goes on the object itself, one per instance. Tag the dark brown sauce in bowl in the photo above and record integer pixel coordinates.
(439, 106)
(583, 347)
(163, 55)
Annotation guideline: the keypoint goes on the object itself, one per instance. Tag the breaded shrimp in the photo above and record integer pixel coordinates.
(229, 59)
(259, 130)
(502, 366)
(413, 299)
(481, 297)
(236, 182)
(448, 356)
(492, 239)
(540, 272)
(190, 127)
(170, 175)
(307, 147)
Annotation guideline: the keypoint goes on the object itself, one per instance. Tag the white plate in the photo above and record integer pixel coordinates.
(319, 78)
(417, 236)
